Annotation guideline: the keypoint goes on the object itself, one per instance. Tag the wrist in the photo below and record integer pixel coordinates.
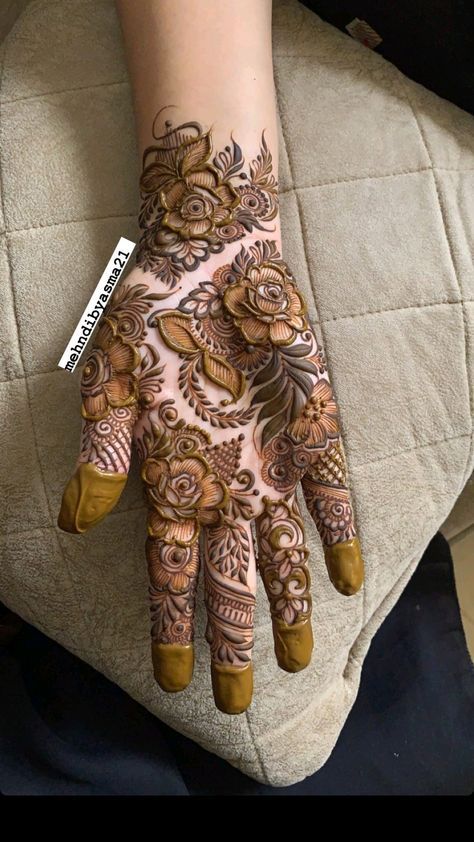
(198, 202)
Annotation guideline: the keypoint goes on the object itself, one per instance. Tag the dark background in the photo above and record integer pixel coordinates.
(431, 42)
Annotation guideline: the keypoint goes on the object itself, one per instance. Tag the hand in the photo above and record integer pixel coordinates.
(225, 391)
(206, 359)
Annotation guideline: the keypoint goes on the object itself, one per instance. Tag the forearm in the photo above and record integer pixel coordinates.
(202, 70)
(209, 59)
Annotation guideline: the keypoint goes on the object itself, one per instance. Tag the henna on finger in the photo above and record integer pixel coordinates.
(229, 566)
(283, 564)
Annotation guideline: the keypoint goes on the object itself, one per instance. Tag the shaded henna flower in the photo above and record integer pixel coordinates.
(318, 421)
(193, 193)
(107, 379)
(183, 493)
(249, 357)
(266, 305)
(171, 567)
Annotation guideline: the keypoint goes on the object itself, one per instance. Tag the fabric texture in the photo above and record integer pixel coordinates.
(407, 734)
(376, 186)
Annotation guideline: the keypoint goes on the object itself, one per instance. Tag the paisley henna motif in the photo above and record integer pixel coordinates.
(193, 203)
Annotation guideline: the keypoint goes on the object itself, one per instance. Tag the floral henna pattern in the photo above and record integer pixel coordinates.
(188, 485)
(266, 305)
(110, 378)
(192, 204)
(282, 560)
(247, 327)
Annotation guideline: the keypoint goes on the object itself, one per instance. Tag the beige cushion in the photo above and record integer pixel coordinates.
(376, 180)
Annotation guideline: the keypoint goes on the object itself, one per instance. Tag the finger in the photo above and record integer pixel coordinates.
(329, 502)
(283, 564)
(109, 390)
(173, 573)
(101, 472)
(230, 584)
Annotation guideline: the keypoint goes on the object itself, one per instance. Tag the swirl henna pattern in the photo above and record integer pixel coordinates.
(221, 384)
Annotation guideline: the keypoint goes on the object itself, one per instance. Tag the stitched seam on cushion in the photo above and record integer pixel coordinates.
(356, 178)
(72, 222)
(65, 91)
(420, 306)
(7, 245)
(411, 449)
(468, 467)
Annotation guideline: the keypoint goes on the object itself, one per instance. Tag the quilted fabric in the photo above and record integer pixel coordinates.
(376, 182)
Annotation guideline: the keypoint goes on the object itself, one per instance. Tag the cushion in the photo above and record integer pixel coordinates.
(376, 182)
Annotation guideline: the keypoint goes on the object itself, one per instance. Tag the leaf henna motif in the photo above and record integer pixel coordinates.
(285, 386)
(223, 374)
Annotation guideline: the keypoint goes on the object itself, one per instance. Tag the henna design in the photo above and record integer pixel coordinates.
(173, 573)
(110, 375)
(327, 496)
(187, 481)
(107, 442)
(192, 206)
(230, 604)
(288, 456)
(282, 560)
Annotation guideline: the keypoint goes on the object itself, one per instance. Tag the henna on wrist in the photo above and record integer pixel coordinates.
(194, 201)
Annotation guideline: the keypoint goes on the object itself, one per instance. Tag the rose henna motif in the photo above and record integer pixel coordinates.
(193, 204)
(266, 306)
(224, 389)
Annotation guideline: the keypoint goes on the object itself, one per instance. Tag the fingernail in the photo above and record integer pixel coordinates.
(345, 566)
(173, 665)
(232, 687)
(293, 645)
(88, 497)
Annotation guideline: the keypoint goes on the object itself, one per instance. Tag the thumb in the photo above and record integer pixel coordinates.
(101, 471)
(109, 408)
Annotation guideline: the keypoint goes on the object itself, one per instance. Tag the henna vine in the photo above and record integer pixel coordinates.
(230, 604)
(192, 205)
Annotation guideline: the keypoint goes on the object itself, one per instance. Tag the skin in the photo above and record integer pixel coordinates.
(210, 366)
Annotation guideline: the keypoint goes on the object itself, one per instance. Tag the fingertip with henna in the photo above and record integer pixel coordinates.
(345, 566)
(232, 687)
(293, 644)
(88, 497)
(173, 665)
